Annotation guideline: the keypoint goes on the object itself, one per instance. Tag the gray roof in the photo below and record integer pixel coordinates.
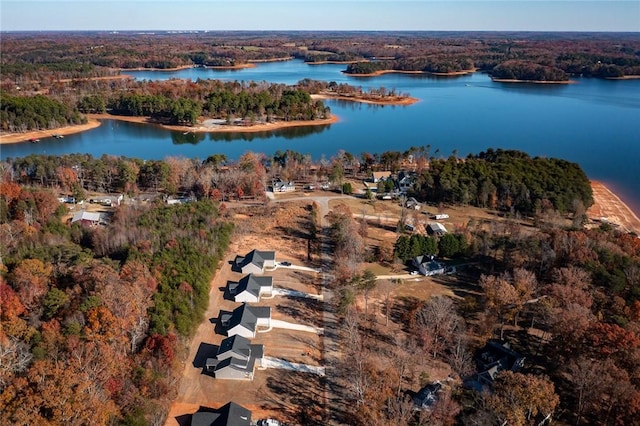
(251, 284)
(239, 347)
(247, 316)
(230, 414)
(256, 257)
(436, 228)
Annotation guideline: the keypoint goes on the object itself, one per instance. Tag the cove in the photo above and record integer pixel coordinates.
(591, 122)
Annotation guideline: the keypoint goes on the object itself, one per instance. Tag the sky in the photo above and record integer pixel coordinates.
(381, 15)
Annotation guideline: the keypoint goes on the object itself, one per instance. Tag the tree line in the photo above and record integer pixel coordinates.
(34, 63)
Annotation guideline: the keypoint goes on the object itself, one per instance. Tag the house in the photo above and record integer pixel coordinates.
(254, 262)
(427, 396)
(250, 288)
(230, 414)
(405, 181)
(245, 320)
(282, 186)
(495, 357)
(236, 359)
(412, 203)
(380, 176)
(86, 218)
(436, 229)
(427, 265)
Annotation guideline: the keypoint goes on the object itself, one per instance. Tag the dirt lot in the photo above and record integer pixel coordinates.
(273, 392)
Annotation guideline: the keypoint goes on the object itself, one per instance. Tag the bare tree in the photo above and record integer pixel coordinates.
(437, 324)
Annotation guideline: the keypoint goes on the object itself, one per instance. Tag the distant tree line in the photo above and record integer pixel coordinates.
(28, 62)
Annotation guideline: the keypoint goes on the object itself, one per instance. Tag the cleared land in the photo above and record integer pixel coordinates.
(275, 393)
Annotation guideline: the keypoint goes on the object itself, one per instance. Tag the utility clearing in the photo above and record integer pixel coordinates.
(269, 362)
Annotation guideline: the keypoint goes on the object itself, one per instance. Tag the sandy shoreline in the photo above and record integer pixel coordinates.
(624, 77)
(440, 74)
(394, 101)
(508, 80)
(259, 61)
(609, 206)
(9, 138)
(330, 62)
(262, 127)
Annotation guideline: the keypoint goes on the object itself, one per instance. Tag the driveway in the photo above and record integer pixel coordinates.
(294, 326)
(269, 362)
(294, 293)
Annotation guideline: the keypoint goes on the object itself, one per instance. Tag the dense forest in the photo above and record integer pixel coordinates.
(19, 113)
(506, 179)
(92, 317)
(519, 70)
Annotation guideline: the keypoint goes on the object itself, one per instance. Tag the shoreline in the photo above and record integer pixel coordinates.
(179, 68)
(509, 80)
(260, 61)
(624, 77)
(395, 101)
(439, 74)
(219, 128)
(6, 139)
(94, 121)
(609, 206)
(331, 62)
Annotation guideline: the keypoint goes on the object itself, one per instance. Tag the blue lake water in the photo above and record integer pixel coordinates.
(593, 122)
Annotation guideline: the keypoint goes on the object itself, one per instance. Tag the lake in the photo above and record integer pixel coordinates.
(592, 122)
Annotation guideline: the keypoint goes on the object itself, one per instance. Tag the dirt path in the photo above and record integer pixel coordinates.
(608, 205)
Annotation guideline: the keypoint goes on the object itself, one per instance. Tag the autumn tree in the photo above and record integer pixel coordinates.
(31, 280)
(522, 399)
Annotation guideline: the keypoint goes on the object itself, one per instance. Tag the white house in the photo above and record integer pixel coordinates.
(250, 288)
(254, 262)
(282, 186)
(427, 265)
(436, 229)
(236, 359)
(86, 218)
(245, 320)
